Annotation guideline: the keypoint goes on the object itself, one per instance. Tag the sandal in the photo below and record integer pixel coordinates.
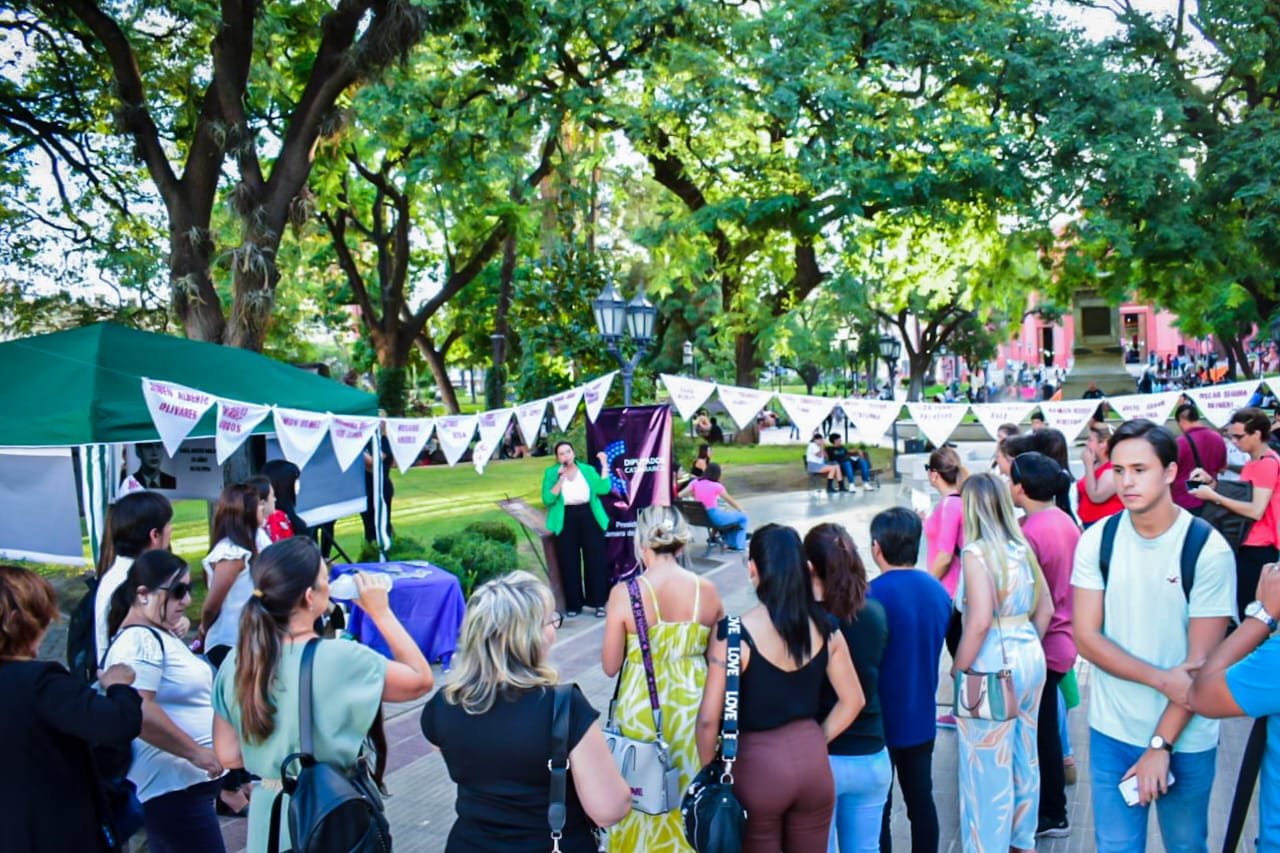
(600, 612)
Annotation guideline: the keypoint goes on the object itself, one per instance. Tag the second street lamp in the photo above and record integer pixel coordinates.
(891, 351)
(637, 317)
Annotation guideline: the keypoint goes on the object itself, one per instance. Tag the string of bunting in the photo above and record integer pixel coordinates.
(176, 409)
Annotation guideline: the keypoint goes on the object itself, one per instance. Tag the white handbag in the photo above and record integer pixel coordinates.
(646, 765)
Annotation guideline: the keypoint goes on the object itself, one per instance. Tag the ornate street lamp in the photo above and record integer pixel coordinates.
(891, 351)
(613, 316)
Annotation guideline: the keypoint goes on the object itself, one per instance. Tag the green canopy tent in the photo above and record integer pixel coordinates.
(83, 389)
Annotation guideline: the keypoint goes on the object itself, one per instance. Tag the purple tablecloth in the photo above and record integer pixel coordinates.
(425, 598)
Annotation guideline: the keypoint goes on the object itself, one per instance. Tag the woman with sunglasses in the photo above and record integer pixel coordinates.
(174, 768)
(1249, 430)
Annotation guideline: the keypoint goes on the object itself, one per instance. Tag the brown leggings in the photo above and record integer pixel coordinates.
(783, 780)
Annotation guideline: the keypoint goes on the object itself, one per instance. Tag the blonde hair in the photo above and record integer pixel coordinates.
(991, 523)
(501, 645)
(662, 528)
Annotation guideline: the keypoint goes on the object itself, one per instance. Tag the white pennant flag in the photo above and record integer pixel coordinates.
(1217, 402)
(806, 412)
(454, 434)
(687, 395)
(937, 420)
(235, 422)
(743, 404)
(529, 417)
(1069, 416)
(493, 425)
(1151, 407)
(594, 394)
(565, 405)
(407, 437)
(871, 418)
(175, 410)
(300, 433)
(350, 436)
(992, 416)
(481, 454)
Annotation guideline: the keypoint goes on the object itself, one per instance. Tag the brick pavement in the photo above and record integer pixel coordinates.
(421, 806)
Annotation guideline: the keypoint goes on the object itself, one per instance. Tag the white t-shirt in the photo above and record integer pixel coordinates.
(1146, 614)
(575, 491)
(262, 539)
(107, 585)
(183, 687)
(226, 627)
(815, 454)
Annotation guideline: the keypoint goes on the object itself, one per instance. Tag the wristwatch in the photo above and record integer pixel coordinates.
(1158, 742)
(1255, 610)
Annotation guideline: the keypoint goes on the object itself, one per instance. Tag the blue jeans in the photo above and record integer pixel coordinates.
(861, 463)
(720, 517)
(1063, 734)
(1183, 812)
(862, 787)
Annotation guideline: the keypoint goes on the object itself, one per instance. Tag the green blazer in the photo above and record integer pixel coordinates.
(555, 503)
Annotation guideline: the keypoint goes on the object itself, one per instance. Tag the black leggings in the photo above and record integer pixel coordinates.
(580, 550)
(1053, 776)
(913, 766)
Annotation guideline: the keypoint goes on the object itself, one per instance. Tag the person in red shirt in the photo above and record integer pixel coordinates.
(1199, 446)
(1097, 488)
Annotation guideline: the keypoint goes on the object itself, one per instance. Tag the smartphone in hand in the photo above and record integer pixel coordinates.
(1129, 789)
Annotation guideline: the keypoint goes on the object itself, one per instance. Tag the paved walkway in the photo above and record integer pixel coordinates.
(421, 806)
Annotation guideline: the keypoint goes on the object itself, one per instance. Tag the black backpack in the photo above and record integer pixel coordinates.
(82, 647)
(330, 810)
(1192, 545)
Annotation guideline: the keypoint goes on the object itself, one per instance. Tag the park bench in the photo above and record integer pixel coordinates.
(818, 482)
(696, 514)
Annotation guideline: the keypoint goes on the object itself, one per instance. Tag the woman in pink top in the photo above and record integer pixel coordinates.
(708, 491)
(1053, 536)
(944, 527)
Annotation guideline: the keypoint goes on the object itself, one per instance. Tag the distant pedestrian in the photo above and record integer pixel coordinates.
(1199, 446)
(709, 491)
(917, 612)
(944, 532)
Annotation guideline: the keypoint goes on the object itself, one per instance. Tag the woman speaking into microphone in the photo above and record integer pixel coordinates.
(575, 515)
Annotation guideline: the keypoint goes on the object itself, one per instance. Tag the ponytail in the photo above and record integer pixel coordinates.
(282, 574)
(835, 560)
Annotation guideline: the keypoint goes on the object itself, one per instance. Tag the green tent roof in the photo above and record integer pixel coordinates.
(84, 386)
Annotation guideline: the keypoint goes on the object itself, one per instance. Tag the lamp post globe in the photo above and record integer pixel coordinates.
(615, 317)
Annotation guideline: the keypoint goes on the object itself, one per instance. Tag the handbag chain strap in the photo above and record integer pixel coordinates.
(995, 602)
(729, 720)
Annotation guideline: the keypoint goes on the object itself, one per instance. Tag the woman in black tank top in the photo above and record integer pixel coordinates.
(790, 648)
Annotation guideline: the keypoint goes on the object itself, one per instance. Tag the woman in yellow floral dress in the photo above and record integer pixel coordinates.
(680, 609)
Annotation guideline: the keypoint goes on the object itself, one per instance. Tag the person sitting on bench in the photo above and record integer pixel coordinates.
(708, 491)
(815, 458)
(848, 458)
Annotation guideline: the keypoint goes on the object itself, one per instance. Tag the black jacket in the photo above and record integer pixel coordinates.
(50, 720)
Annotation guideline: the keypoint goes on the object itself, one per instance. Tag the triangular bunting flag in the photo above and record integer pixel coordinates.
(235, 423)
(407, 437)
(454, 434)
(565, 404)
(1217, 402)
(594, 394)
(687, 395)
(742, 404)
(300, 433)
(175, 410)
(806, 412)
(994, 415)
(493, 426)
(937, 420)
(1151, 407)
(481, 454)
(1069, 416)
(350, 436)
(529, 417)
(871, 418)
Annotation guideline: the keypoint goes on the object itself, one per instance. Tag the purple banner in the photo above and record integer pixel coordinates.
(637, 442)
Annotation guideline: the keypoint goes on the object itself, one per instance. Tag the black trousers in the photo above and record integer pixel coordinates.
(580, 550)
(1249, 562)
(1053, 778)
(184, 821)
(913, 765)
(955, 630)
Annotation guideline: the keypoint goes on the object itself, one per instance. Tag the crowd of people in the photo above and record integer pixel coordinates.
(1171, 602)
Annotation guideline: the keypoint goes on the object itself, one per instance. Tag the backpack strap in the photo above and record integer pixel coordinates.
(1192, 545)
(559, 763)
(154, 633)
(273, 834)
(1250, 764)
(1109, 528)
(304, 697)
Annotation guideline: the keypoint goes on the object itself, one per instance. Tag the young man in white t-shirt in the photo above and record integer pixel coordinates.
(1141, 632)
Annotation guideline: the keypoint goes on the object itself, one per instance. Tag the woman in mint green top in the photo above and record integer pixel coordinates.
(255, 695)
(575, 515)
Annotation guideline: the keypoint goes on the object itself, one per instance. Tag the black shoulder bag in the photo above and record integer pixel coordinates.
(714, 820)
(559, 763)
(331, 810)
(1233, 526)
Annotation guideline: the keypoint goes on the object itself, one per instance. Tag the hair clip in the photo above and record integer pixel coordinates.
(257, 593)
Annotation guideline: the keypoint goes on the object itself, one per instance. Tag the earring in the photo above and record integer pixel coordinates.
(145, 599)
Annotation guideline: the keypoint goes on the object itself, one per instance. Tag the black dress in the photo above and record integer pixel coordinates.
(50, 720)
(499, 762)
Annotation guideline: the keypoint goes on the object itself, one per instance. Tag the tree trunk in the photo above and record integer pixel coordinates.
(496, 379)
(919, 366)
(435, 361)
(746, 360)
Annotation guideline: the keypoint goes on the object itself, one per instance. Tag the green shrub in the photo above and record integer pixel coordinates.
(474, 560)
(444, 544)
(495, 530)
(402, 548)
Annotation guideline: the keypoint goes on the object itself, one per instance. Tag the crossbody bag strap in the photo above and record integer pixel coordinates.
(642, 633)
(729, 719)
(304, 697)
(995, 608)
(273, 833)
(102, 664)
(559, 762)
(1195, 453)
